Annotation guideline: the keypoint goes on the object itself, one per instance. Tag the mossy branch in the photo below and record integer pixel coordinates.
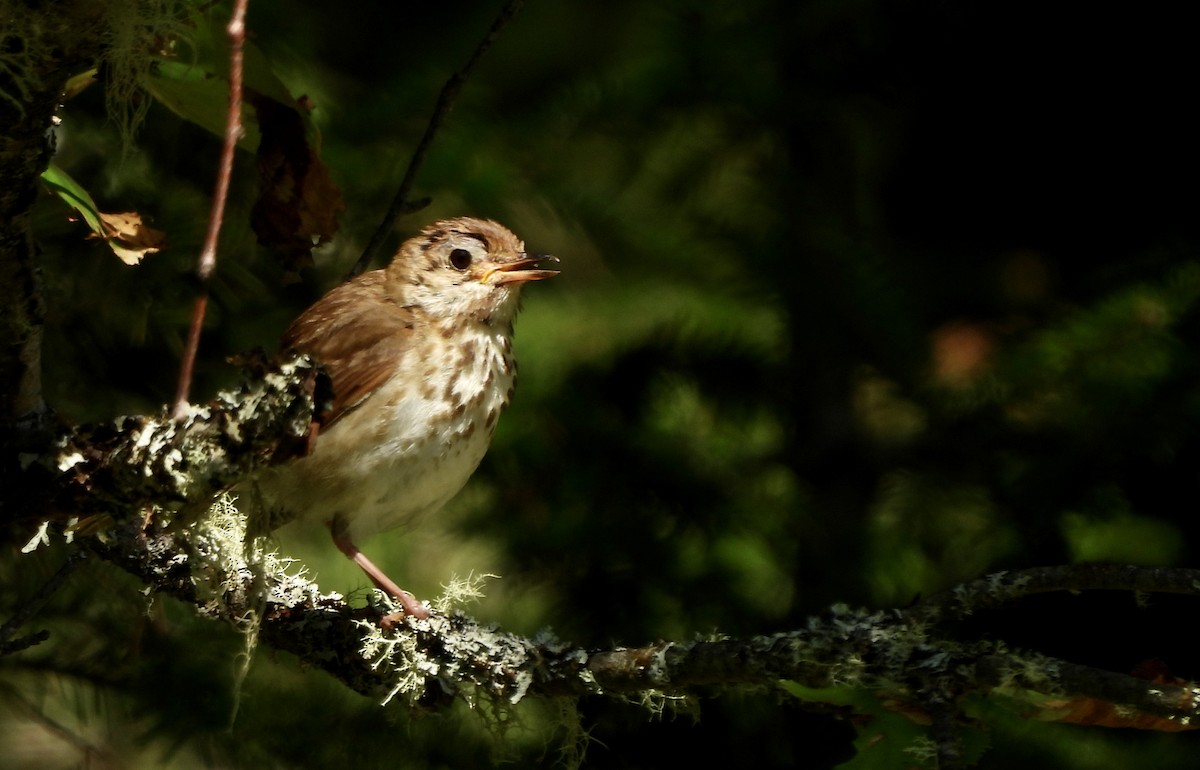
(912, 654)
(896, 651)
(166, 462)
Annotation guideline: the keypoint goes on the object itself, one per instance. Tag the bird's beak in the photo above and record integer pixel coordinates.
(518, 272)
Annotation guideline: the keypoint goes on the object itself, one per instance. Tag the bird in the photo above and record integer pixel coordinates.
(419, 358)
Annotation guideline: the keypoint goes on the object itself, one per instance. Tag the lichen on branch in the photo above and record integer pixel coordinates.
(139, 460)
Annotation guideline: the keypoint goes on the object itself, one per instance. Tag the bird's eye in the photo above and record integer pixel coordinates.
(460, 259)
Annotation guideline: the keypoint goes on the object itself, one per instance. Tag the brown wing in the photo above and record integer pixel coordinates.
(358, 334)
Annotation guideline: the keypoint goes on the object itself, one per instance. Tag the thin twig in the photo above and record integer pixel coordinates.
(30, 608)
(401, 205)
(208, 255)
(1002, 588)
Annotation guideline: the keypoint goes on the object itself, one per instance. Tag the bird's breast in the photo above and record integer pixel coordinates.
(413, 443)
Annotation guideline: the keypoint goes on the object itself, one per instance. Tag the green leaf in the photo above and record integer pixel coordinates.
(125, 233)
(62, 185)
(195, 84)
(199, 97)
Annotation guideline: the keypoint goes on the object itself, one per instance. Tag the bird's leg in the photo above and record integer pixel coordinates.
(382, 582)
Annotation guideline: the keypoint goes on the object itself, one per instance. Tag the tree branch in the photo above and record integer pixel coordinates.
(139, 461)
(892, 651)
(1002, 588)
(1050, 676)
(401, 205)
(207, 261)
(212, 563)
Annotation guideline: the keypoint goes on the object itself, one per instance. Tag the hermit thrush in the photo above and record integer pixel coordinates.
(419, 355)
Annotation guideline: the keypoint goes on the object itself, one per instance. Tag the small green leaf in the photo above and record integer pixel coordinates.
(125, 233)
(195, 83)
(62, 185)
(77, 83)
(199, 97)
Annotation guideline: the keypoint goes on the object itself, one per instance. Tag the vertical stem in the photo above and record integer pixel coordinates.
(207, 262)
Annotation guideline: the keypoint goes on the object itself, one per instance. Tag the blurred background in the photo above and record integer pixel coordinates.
(859, 300)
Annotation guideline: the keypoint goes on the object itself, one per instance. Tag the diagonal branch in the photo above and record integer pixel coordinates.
(401, 205)
(215, 566)
(877, 651)
(207, 262)
(1002, 588)
(1050, 676)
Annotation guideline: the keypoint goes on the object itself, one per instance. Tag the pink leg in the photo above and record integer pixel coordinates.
(381, 581)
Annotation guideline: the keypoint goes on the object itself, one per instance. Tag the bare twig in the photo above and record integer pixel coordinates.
(1002, 588)
(401, 205)
(207, 262)
(31, 606)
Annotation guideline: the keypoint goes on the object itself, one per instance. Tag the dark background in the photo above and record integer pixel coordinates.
(859, 300)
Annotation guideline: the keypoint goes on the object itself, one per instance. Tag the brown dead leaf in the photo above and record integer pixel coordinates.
(1099, 713)
(129, 238)
(1090, 711)
(298, 203)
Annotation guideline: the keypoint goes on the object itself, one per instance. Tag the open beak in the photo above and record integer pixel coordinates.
(519, 270)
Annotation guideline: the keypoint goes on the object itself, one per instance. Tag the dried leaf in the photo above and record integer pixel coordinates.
(125, 233)
(1091, 711)
(298, 202)
(129, 238)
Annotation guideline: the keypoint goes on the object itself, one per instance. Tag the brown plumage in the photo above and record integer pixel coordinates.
(419, 356)
(357, 336)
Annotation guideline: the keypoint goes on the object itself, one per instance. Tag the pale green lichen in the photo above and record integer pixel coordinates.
(924, 750)
(412, 669)
(136, 32)
(660, 704)
(399, 655)
(460, 592)
(235, 575)
(126, 34)
(40, 538)
(576, 738)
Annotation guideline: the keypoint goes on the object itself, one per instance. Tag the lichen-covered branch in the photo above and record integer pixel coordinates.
(1048, 676)
(211, 562)
(157, 460)
(1001, 588)
(897, 652)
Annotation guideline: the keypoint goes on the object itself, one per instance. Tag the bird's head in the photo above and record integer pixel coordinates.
(465, 268)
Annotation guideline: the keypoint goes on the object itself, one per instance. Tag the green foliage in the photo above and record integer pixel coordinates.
(61, 183)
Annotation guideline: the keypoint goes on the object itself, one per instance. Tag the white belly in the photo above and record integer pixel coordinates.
(402, 453)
